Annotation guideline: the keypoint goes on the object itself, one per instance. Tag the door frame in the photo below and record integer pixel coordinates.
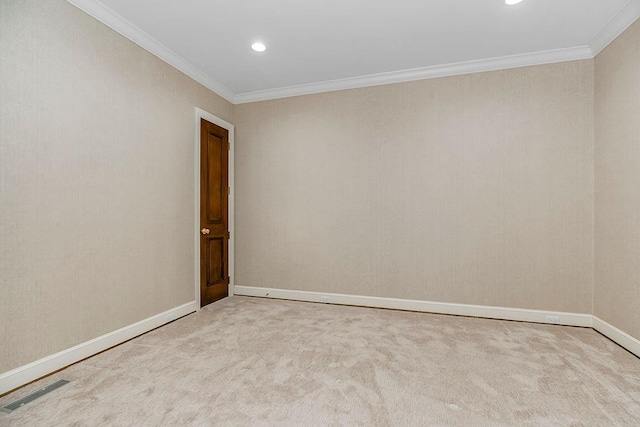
(202, 114)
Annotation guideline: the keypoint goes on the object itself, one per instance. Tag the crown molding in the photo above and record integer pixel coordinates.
(110, 18)
(621, 22)
(479, 66)
(114, 21)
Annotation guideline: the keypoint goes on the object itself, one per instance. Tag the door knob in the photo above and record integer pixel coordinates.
(205, 231)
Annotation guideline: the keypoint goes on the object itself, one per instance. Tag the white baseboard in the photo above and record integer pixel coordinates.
(616, 335)
(503, 313)
(27, 373)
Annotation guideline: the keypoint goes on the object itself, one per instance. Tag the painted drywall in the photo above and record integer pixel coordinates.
(472, 189)
(96, 180)
(617, 182)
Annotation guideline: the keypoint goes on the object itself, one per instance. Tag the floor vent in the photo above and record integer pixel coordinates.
(33, 396)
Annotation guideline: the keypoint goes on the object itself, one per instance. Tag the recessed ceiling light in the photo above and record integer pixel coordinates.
(512, 2)
(260, 47)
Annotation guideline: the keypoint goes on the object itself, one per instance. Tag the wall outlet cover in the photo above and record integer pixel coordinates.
(553, 319)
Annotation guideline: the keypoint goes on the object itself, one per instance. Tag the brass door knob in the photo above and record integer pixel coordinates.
(205, 231)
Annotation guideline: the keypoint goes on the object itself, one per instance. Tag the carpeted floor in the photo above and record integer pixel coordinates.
(251, 361)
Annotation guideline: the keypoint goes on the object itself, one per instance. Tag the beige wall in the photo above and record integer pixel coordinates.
(617, 177)
(96, 180)
(471, 189)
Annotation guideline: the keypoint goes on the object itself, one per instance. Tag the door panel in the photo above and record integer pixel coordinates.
(214, 202)
(215, 261)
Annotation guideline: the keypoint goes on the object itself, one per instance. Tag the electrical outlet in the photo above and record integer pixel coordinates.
(324, 299)
(553, 319)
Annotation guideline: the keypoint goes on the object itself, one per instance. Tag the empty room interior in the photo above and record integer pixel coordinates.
(320, 212)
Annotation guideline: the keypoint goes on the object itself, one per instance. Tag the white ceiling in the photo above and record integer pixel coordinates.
(312, 41)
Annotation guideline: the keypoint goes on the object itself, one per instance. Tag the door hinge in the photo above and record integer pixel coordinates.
(228, 146)
(228, 235)
(228, 191)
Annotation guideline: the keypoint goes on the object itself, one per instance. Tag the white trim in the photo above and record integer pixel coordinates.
(479, 66)
(503, 313)
(621, 22)
(27, 373)
(110, 18)
(201, 114)
(119, 24)
(17, 377)
(616, 335)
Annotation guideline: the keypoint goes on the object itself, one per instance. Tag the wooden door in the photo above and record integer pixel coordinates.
(214, 214)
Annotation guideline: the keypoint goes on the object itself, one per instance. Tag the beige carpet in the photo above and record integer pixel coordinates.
(250, 361)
